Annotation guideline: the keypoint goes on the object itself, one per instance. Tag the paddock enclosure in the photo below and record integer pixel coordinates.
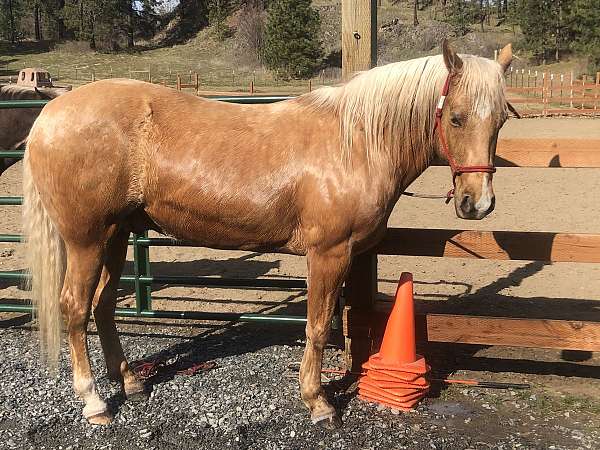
(363, 311)
(460, 297)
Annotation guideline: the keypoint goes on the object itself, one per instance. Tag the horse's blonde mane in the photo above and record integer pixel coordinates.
(395, 104)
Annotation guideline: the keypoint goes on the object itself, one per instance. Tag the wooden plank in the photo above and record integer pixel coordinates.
(497, 245)
(524, 89)
(538, 333)
(486, 330)
(548, 152)
(532, 100)
(359, 36)
(360, 293)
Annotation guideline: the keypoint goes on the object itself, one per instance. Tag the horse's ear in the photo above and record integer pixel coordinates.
(505, 57)
(451, 59)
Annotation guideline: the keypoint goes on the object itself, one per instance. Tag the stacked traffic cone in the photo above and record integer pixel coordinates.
(395, 376)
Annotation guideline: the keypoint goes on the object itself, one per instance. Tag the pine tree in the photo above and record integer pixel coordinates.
(543, 26)
(292, 48)
(462, 14)
(11, 13)
(583, 23)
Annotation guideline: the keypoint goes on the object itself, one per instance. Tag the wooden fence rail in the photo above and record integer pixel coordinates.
(364, 316)
(548, 93)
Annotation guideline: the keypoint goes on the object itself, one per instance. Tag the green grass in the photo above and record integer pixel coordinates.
(212, 59)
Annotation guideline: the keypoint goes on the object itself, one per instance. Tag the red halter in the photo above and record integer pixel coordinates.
(454, 166)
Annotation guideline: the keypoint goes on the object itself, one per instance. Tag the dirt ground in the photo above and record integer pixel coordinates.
(555, 200)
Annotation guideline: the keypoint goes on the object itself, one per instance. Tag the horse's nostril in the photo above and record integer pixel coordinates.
(466, 204)
(492, 205)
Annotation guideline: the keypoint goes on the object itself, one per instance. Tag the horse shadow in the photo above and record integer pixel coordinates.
(244, 265)
(217, 341)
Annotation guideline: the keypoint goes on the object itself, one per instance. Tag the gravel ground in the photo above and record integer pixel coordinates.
(248, 402)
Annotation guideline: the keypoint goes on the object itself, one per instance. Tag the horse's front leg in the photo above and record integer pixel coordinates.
(326, 272)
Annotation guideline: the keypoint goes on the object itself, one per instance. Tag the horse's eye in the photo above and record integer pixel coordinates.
(455, 120)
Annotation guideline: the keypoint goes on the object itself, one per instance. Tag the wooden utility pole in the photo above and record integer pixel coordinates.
(359, 52)
(359, 36)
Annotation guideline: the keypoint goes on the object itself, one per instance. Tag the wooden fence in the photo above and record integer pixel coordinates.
(365, 314)
(547, 93)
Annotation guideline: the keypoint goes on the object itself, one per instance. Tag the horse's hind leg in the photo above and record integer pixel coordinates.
(105, 302)
(84, 264)
(326, 272)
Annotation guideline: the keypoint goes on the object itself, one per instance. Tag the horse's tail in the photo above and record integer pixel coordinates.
(45, 257)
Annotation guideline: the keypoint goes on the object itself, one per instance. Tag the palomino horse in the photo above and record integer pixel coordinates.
(317, 175)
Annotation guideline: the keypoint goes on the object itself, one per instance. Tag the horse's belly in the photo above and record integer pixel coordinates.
(226, 225)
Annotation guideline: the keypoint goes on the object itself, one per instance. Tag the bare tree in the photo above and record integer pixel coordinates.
(415, 7)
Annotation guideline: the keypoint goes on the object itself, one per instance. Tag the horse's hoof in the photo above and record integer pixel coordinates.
(100, 419)
(137, 397)
(332, 422)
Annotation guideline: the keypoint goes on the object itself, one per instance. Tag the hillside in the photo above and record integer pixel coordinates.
(223, 65)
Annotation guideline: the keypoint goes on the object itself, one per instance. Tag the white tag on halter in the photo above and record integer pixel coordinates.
(441, 102)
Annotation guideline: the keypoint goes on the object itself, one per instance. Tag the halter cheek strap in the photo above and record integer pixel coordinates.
(454, 166)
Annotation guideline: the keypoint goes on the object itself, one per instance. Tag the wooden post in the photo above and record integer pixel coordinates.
(571, 91)
(197, 82)
(178, 82)
(309, 85)
(562, 79)
(583, 81)
(251, 86)
(544, 92)
(597, 88)
(149, 74)
(359, 36)
(360, 295)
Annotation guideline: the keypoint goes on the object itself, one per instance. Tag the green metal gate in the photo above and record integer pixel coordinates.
(142, 278)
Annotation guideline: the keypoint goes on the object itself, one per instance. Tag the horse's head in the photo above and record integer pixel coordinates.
(49, 93)
(468, 123)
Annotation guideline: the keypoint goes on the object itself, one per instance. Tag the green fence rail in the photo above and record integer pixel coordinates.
(142, 278)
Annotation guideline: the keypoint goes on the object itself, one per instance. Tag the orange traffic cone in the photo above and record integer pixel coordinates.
(396, 375)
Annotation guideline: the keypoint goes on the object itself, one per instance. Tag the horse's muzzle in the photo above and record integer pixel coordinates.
(467, 208)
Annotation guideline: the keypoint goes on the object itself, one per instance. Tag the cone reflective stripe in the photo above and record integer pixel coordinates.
(395, 376)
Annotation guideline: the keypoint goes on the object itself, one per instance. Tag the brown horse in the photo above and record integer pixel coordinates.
(317, 176)
(16, 123)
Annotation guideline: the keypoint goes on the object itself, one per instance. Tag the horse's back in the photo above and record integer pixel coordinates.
(123, 145)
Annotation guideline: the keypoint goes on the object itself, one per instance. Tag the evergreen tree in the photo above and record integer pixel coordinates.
(11, 13)
(543, 26)
(584, 28)
(462, 14)
(292, 48)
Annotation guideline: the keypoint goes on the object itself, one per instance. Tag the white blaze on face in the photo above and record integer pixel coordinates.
(484, 110)
(485, 200)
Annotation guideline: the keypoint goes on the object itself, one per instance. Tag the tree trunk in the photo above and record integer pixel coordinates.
(36, 19)
(80, 19)
(60, 23)
(92, 31)
(13, 33)
(415, 18)
(558, 30)
(481, 15)
(130, 42)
